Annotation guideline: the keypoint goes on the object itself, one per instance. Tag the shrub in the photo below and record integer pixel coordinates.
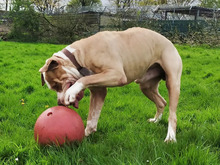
(64, 28)
(25, 22)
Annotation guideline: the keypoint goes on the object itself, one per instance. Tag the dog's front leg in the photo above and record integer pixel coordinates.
(107, 78)
(97, 97)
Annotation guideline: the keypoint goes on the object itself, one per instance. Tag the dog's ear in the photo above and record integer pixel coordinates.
(53, 65)
(42, 79)
(50, 65)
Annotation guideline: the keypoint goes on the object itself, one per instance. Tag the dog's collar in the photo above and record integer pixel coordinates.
(68, 52)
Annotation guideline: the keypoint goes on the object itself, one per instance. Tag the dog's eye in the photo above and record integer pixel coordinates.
(57, 87)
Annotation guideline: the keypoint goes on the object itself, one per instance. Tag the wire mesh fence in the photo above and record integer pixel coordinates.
(180, 24)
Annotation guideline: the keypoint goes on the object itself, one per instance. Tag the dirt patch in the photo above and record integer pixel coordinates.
(4, 28)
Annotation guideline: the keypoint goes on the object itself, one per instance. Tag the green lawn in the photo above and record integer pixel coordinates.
(124, 136)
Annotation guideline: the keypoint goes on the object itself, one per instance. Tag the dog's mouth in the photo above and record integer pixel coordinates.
(79, 96)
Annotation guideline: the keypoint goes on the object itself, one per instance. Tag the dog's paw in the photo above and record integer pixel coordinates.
(170, 139)
(171, 135)
(70, 97)
(89, 131)
(92, 125)
(72, 92)
(155, 119)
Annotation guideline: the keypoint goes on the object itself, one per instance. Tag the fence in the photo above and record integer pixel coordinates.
(181, 25)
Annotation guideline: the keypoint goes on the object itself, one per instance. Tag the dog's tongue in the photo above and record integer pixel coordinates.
(76, 104)
(78, 98)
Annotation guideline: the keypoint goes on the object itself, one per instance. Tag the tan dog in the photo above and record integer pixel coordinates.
(109, 59)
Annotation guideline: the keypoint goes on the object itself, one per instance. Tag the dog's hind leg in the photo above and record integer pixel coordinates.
(172, 65)
(149, 86)
(152, 93)
(97, 97)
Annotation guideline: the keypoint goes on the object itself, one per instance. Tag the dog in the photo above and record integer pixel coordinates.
(116, 58)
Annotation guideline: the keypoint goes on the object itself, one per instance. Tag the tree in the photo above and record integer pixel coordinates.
(25, 21)
(210, 3)
(153, 2)
(6, 5)
(203, 3)
(124, 3)
(74, 3)
(181, 2)
(46, 6)
(129, 3)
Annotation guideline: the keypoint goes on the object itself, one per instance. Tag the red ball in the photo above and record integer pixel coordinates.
(58, 125)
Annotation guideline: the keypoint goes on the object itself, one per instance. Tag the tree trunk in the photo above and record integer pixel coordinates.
(6, 5)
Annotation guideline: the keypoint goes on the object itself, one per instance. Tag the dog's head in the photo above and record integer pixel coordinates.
(60, 75)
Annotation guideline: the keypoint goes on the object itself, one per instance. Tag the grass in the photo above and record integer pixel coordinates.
(124, 136)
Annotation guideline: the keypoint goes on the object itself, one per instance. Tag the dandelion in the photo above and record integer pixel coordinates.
(22, 101)
(46, 106)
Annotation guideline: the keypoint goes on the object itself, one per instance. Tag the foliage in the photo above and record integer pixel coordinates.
(74, 3)
(204, 3)
(129, 3)
(211, 3)
(152, 2)
(73, 24)
(204, 31)
(182, 2)
(25, 21)
(46, 6)
(28, 25)
(66, 28)
(124, 136)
